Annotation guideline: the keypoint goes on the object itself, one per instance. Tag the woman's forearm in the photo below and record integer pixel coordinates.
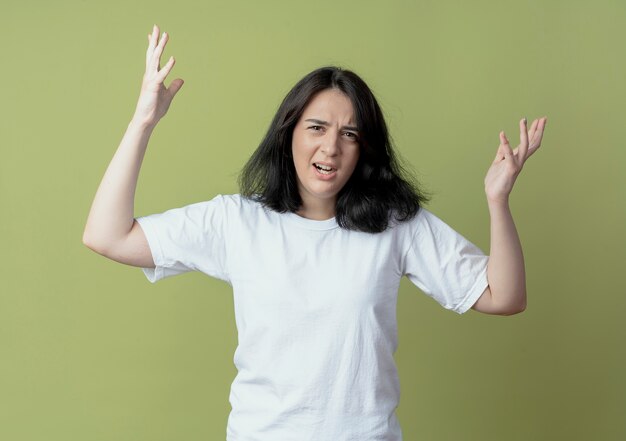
(505, 271)
(112, 211)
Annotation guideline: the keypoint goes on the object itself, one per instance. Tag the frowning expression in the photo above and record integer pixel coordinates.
(325, 147)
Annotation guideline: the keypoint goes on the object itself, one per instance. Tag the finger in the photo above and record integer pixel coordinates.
(533, 128)
(175, 86)
(155, 61)
(522, 149)
(500, 151)
(153, 36)
(506, 148)
(536, 140)
(165, 70)
(507, 152)
(503, 139)
(160, 47)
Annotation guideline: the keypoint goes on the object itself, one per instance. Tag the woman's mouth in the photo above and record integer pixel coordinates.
(325, 169)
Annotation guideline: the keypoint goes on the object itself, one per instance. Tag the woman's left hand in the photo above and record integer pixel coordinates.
(508, 163)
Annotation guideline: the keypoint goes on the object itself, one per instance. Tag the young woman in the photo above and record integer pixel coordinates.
(314, 248)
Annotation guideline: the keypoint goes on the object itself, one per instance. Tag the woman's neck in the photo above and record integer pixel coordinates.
(317, 209)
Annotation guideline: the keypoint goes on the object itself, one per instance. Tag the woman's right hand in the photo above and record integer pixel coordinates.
(155, 98)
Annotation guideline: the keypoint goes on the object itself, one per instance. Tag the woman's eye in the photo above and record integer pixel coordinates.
(351, 135)
(316, 128)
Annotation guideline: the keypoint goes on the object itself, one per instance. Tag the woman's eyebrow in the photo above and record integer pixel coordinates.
(325, 123)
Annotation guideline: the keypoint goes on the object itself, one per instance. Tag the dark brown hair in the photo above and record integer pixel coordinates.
(378, 188)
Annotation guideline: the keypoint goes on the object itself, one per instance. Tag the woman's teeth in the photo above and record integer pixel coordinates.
(324, 169)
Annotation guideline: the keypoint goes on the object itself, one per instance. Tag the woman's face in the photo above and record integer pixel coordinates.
(325, 148)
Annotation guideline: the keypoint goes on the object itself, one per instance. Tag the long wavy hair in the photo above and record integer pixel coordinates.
(379, 187)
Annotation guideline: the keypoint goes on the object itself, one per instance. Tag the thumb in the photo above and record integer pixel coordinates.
(501, 148)
(505, 147)
(175, 86)
(507, 151)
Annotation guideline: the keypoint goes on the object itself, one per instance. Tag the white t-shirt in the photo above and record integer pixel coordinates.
(315, 309)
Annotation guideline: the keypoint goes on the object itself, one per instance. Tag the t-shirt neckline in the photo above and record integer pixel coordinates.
(311, 224)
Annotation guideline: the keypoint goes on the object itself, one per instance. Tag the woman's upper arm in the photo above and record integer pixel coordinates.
(483, 304)
(486, 305)
(131, 250)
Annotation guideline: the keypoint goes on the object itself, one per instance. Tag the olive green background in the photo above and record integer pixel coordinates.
(90, 350)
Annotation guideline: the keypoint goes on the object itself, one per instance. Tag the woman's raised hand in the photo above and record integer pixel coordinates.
(508, 163)
(155, 98)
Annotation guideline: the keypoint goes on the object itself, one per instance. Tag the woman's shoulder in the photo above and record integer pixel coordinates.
(427, 224)
(237, 199)
(240, 203)
(423, 225)
(397, 222)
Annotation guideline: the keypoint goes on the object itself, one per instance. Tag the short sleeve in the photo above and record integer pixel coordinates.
(444, 264)
(189, 238)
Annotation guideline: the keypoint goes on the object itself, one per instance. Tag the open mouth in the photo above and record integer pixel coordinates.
(324, 169)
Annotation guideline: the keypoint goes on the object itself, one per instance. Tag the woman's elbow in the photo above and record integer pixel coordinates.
(515, 309)
(92, 244)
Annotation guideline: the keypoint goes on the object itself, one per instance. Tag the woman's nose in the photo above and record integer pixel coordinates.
(330, 143)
